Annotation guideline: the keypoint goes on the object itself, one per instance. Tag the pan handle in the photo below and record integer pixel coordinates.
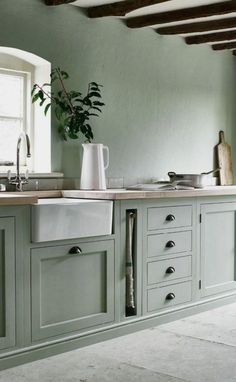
(211, 172)
(173, 176)
(171, 173)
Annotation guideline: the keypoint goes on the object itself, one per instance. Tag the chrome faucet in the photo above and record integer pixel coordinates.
(19, 180)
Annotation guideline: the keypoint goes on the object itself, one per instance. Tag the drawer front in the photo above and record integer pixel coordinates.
(169, 217)
(167, 296)
(167, 270)
(169, 243)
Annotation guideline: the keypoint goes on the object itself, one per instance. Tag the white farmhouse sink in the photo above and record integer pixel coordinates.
(64, 218)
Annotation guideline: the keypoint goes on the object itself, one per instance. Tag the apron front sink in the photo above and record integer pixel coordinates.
(64, 218)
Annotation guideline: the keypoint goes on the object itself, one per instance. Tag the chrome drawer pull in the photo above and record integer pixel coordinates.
(170, 244)
(170, 296)
(75, 251)
(170, 218)
(170, 270)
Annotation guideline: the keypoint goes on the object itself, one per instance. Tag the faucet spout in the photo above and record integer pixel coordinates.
(18, 180)
(18, 146)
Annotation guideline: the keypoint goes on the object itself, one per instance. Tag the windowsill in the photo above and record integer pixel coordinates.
(33, 175)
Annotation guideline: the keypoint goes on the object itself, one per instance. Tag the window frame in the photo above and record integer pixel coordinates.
(27, 113)
(38, 125)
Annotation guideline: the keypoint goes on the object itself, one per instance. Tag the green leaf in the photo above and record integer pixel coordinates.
(95, 84)
(33, 90)
(35, 98)
(64, 74)
(96, 108)
(74, 94)
(98, 103)
(87, 101)
(42, 102)
(94, 94)
(41, 95)
(47, 108)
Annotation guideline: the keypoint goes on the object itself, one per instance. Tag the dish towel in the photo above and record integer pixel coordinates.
(130, 298)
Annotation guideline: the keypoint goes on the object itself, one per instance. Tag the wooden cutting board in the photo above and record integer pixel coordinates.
(225, 161)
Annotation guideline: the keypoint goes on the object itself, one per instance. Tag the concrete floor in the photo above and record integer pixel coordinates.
(200, 348)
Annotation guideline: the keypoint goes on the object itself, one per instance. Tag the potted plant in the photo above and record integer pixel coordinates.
(72, 109)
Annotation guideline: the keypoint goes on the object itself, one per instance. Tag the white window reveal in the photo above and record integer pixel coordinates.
(13, 113)
(19, 70)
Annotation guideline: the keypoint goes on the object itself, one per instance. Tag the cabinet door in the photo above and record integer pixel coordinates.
(218, 258)
(71, 292)
(7, 282)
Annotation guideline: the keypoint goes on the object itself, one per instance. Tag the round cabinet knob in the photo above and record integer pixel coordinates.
(170, 218)
(170, 296)
(75, 251)
(170, 270)
(170, 244)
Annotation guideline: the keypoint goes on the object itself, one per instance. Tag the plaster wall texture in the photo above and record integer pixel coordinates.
(165, 101)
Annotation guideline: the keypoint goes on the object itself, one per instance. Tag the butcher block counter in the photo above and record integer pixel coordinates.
(123, 194)
(30, 197)
(26, 197)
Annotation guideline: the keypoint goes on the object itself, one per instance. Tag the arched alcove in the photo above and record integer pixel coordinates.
(35, 123)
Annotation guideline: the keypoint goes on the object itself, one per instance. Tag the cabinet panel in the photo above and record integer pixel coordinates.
(169, 243)
(167, 296)
(71, 292)
(168, 270)
(218, 247)
(169, 217)
(7, 282)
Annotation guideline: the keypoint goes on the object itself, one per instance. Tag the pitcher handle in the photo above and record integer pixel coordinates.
(105, 148)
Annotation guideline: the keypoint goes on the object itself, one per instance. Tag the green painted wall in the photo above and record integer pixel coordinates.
(165, 101)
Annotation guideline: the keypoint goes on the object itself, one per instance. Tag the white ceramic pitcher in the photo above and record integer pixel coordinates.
(93, 167)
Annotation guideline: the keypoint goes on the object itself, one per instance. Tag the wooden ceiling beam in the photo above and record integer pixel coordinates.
(203, 26)
(182, 14)
(211, 37)
(57, 2)
(226, 45)
(120, 8)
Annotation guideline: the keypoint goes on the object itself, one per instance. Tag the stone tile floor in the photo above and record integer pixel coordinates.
(201, 348)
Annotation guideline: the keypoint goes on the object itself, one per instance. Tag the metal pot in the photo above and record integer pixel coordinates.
(193, 180)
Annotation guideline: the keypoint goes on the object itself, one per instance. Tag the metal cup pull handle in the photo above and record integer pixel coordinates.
(170, 218)
(170, 244)
(170, 296)
(75, 251)
(170, 270)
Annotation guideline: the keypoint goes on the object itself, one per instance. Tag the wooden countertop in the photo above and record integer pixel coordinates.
(26, 197)
(122, 194)
(30, 197)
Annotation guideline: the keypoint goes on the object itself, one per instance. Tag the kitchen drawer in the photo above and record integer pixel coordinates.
(168, 270)
(167, 296)
(169, 243)
(169, 217)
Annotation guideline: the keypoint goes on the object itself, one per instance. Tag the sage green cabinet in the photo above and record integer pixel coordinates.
(7, 282)
(71, 291)
(218, 257)
(168, 247)
(166, 296)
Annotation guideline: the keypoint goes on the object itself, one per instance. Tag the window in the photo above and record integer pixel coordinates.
(14, 112)
(19, 70)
